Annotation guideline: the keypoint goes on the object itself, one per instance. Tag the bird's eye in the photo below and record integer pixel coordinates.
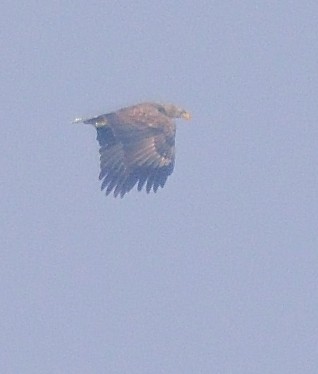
(161, 109)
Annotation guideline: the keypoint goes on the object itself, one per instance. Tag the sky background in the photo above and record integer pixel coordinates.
(218, 271)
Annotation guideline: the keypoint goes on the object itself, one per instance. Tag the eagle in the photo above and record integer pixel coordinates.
(137, 146)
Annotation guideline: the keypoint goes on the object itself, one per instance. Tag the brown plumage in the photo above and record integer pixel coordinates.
(137, 146)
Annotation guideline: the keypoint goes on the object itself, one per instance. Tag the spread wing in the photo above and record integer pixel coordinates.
(135, 150)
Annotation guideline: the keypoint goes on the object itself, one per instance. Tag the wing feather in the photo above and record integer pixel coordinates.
(135, 150)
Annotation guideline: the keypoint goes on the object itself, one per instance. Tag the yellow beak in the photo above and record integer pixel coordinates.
(186, 115)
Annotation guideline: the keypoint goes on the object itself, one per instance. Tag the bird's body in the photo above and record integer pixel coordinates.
(137, 146)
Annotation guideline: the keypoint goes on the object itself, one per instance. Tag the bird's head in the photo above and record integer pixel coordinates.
(173, 111)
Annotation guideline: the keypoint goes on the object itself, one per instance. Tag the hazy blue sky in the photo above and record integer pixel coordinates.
(217, 272)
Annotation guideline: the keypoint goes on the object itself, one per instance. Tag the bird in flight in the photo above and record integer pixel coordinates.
(137, 146)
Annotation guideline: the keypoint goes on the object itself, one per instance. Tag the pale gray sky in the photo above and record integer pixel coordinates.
(217, 272)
